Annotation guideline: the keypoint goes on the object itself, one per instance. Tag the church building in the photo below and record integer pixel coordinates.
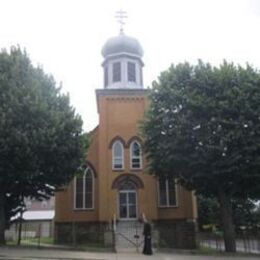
(116, 186)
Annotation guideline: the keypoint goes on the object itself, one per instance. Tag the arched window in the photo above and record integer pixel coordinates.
(135, 155)
(118, 156)
(167, 193)
(84, 190)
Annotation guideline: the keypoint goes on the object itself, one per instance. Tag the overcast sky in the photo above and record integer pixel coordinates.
(65, 37)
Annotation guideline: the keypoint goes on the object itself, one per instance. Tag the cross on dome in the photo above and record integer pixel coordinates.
(121, 15)
(122, 59)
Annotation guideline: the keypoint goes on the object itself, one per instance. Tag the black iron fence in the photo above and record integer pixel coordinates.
(30, 233)
(246, 242)
(84, 234)
(104, 236)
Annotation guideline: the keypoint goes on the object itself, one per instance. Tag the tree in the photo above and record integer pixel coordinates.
(208, 213)
(244, 214)
(203, 128)
(41, 144)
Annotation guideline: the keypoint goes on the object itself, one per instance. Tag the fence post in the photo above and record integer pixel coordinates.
(39, 234)
(114, 222)
(258, 242)
(73, 234)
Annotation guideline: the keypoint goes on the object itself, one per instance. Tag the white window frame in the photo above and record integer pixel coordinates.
(117, 157)
(167, 195)
(135, 157)
(84, 190)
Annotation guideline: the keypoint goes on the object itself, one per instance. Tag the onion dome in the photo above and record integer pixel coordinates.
(122, 44)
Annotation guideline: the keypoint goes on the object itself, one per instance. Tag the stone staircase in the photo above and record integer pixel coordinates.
(128, 236)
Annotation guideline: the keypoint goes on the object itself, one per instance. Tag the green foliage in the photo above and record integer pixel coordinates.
(203, 126)
(245, 214)
(41, 144)
(208, 213)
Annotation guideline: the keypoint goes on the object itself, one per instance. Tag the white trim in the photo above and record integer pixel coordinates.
(136, 157)
(122, 54)
(167, 195)
(84, 190)
(121, 157)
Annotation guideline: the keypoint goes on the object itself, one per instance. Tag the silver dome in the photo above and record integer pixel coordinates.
(122, 44)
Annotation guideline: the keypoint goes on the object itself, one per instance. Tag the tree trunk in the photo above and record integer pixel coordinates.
(2, 219)
(227, 220)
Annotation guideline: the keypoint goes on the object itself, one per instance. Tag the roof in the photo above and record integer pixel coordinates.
(36, 215)
(122, 44)
(39, 215)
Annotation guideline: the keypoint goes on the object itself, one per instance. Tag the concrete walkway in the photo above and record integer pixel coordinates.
(13, 253)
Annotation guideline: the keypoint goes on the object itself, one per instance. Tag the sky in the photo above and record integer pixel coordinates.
(65, 37)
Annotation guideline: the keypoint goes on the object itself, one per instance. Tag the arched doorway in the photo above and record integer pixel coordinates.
(127, 186)
(127, 202)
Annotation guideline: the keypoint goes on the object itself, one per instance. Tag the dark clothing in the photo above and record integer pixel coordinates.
(147, 239)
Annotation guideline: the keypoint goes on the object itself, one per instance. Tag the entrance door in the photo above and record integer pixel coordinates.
(127, 205)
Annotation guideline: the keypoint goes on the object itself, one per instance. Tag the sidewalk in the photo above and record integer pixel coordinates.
(14, 253)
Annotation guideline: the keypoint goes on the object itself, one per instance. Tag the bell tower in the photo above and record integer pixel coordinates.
(122, 63)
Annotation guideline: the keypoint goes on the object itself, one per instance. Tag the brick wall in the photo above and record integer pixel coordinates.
(179, 234)
(84, 234)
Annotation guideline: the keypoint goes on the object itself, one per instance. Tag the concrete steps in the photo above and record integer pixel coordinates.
(129, 236)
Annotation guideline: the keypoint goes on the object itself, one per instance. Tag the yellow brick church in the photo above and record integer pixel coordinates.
(116, 188)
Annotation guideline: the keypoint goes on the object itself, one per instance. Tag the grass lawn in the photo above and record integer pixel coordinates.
(33, 241)
(42, 240)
